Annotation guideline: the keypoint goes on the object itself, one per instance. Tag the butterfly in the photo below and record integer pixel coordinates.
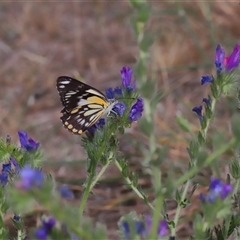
(83, 104)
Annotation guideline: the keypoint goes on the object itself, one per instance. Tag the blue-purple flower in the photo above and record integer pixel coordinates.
(99, 124)
(207, 101)
(27, 143)
(6, 167)
(206, 79)
(3, 178)
(46, 228)
(15, 164)
(140, 229)
(126, 229)
(198, 111)
(16, 218)
(136, 110)
(73, 236)
(65, 192)
(219, 58)
(126, 74)
(30, 178)
(118, 91)
(110, 92)
(119, 108)
(143, 228)
(163, 229)
(217, 190)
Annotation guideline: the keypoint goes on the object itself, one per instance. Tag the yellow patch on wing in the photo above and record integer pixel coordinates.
(80, 132)
(66, 123)
(70, 126)
(97, 100)
(75, 109)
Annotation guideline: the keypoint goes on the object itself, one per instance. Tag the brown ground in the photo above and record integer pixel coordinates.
(40, 41)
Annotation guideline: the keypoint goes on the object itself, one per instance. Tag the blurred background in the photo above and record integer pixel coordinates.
(93, 40)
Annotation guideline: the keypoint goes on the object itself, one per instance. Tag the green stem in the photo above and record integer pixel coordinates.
(207, 162)
(91, 182)
(179, 208)
(158, 203)
(236, 187)
(95, 180)
(204, 132)
(86, 194)
(156, 214)
(227, 221)
(19, 234)
(130, 183)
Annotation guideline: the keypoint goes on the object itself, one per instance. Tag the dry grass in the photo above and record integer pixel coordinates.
(41, 41)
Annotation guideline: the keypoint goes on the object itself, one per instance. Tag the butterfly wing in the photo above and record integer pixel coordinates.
(83, 105)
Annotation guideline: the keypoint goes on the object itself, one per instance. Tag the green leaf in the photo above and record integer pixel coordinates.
(147, 89)
(145, 126)
(201, 139)
(193, 150)
(235, 126)
(137, 3)
(214, 90)
(156, 99)
(235, 169)
(183, 124)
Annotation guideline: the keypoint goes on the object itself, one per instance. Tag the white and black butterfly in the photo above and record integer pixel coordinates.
(83, 104)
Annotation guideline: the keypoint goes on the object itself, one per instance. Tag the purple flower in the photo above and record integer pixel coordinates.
(136, 110)
(230, 62)
(219, 58)
(206, 79)
(6, 167)
(27, 143)
(41, 234)
(73, 236)
(118, 91)
(15, 164)
(3, 178)
(207, 101)
(126, 229)
(99, 124)
(65, 192)
(163, 229)
(46, 228)
(110, 93)
(233, 60)
(119, 108)
(139, 228)
(198, 111)
(217, 189)
(126, 74)
(29, 178)
(16, 218)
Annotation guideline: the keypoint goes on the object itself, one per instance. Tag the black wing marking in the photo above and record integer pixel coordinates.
(77, 122)
(71, 91)
(79, 113)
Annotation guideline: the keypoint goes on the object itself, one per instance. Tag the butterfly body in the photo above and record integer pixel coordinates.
(83, 104)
